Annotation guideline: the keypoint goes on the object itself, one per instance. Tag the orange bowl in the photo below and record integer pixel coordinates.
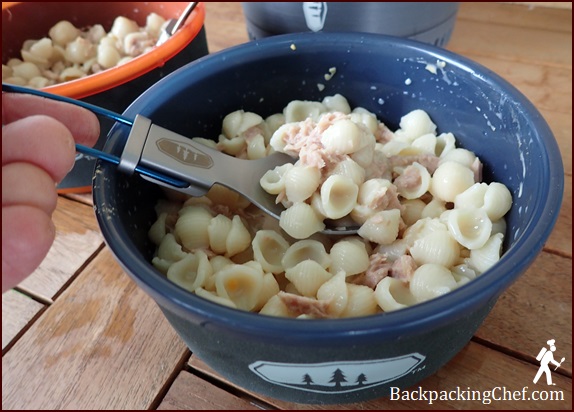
(32, 20)
(115, 88)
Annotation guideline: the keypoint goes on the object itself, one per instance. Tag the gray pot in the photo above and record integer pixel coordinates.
(427, 22)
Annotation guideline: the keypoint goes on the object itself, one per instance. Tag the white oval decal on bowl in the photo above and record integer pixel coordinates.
(337, 377)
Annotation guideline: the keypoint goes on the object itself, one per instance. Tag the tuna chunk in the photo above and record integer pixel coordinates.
(409, 180)
(403, 268)
(428, 161)
(301, 305)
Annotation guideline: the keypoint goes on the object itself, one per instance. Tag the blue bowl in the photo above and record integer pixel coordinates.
(341, 360)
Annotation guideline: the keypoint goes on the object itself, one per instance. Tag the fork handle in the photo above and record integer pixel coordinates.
(11, 88)
(172, 154)
(100, 111)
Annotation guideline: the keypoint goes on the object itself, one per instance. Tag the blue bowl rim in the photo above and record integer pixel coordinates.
(412, 320)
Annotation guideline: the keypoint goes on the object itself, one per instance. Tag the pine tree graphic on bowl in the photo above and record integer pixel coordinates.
(338, 377)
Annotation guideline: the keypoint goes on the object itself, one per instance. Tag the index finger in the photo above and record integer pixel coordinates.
(83, 124)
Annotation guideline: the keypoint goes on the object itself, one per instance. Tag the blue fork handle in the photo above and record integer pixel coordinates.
(10, 88)
(176, 183)
(144, 171)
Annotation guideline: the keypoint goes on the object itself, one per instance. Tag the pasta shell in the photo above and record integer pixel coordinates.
(157, 231)
(438, 247)
(471, 227)
(349, 168)
(241, 284)
(485, 257)
(342, 137)
(435, 208)
(273, 123)
(218, 231)
(463, 156)
(471, 197)
(256, 147)
(349, 257)
(237, 122)
(234, 146)
(161, 264)
(307, 277)
(191, 272)
(307, 249)
(300, 221)
(273, 181)
(497, 201)
(169, 249)
(425, 143)
(415, 124)
(337, 103)
(382, 227)
(275, 307)
(361, 301)
(301, 182)
(238, 238)
(368, 119)
(335, 292)
(269, 247)
(392, 294)
(299, 110)
(413, 182)
(269, 289)
(221, 195)
(191, 227)
(214, 298)
(445, 142)
(450, 179)
(430, 281)
(412, 211)
(338, 196)
(421, 228)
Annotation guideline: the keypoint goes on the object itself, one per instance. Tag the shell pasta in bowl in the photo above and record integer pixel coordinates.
(426, 220)
(451, 174)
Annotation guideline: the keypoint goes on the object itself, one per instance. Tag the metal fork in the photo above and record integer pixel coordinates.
(174, 25)
(168, 153)
(177, 162)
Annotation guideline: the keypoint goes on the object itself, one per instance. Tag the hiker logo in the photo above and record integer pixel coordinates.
(546, 357)
(337, 377)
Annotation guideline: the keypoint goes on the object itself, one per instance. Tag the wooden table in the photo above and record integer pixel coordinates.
(78, 333)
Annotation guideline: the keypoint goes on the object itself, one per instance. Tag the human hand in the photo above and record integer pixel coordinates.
(38, 150)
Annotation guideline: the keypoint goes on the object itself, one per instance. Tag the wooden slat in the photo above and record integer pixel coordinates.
(77, 238)
(517, 15)
(567, 5)
(482, 369)
(227, 20)
(103, 344)
(81, 197)
(17, 311)
(475, 368)
(536, 308)
(204, 396)
(561, 125)
(560, 240)
(498, 41)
